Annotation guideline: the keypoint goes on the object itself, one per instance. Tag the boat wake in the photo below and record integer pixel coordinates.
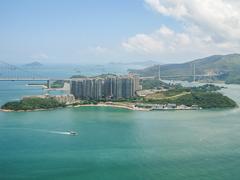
(41, 130)
(60, 132)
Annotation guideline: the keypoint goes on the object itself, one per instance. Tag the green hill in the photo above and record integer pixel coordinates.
(227, 67)
(32, 104)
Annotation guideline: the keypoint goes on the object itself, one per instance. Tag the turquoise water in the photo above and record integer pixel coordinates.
(118, 144)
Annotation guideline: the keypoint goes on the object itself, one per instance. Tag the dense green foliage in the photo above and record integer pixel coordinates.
(233, 77)
(206, 88)
(174, 92)
(204, 100)
(99, 76)
(78, 76)
(104, 75)
(57, 84)
(32, 104)
(203, 96)
(178, 89)
(153, 84)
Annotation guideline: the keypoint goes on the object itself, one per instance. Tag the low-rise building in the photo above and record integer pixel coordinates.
(66, 98)
(171, 106)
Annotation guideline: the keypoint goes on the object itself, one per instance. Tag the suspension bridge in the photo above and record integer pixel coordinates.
(9, 72)
(194, 76)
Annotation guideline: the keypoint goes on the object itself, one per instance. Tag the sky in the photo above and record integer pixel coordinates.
(97, 32)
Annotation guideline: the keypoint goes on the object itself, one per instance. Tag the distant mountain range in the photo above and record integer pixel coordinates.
(33, 64)
(226, 67)
(141, 63)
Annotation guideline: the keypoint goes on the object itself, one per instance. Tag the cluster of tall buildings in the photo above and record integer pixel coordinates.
(108, 87)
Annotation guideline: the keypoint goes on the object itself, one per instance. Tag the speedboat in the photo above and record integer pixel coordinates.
(73, 133)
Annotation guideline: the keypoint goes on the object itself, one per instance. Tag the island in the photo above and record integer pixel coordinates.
(33, 103)
(34, 64)
(175, 97)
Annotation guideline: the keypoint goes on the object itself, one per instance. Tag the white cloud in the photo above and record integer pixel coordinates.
(160, 41)
(39, 56)
(168, 7)
(209, 27)
(219, 17)
(98, 50)
(143, 43)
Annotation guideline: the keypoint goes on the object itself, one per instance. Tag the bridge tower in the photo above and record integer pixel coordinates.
(159, 72)
(194, 73)
(48, 83)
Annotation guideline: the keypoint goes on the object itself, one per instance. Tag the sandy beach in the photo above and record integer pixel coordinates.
(122, 106)
(114, 106)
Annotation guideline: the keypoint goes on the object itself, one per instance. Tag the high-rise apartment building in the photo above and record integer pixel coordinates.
(87, 88)
(110, 87)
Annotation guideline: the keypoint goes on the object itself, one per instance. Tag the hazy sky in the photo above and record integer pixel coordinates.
(100, 31)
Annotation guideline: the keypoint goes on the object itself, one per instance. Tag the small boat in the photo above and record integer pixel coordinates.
(73, 133)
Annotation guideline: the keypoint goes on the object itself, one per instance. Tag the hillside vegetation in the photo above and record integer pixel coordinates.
(32, 104)
(154, 84)
(204, 96)
(226, 66)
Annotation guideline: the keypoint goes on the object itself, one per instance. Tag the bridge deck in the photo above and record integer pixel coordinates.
(32, 79)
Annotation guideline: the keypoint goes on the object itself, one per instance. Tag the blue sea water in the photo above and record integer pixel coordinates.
(117, 144)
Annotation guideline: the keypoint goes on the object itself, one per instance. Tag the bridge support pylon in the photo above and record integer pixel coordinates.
(48, 84)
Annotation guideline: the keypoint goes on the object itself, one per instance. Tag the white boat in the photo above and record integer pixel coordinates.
(73, 133)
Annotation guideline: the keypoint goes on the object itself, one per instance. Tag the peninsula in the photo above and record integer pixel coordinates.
(174, 98)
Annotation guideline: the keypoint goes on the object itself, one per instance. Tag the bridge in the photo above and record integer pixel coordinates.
(10, 72)
(23, 79)
(32, 79)
(194, 76)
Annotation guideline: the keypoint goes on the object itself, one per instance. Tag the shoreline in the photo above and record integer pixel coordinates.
(82, 105)
(120, 105)
(112, 105)
(102, 105)
(37, 85)
(131, 107)
(8, 110)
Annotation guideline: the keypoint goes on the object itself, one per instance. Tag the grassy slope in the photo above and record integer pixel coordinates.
(166, 95)
(229, 65)
(202, 99)
(203, 96)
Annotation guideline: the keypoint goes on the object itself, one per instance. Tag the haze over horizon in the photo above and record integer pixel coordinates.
(97, 32)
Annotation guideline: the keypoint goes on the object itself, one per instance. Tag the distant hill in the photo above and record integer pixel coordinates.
(226, 66)
(33, 64)
(141, 63)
